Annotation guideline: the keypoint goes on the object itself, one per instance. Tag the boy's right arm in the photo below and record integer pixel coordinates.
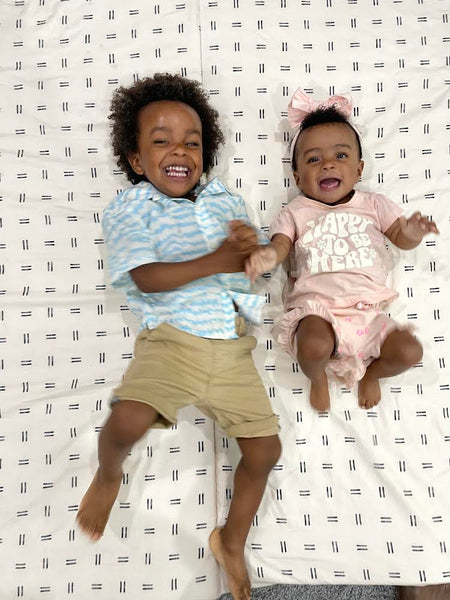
(265, 258)
(229, 257)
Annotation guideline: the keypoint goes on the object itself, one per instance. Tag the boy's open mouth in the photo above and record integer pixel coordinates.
(329, 184)
(177, 171)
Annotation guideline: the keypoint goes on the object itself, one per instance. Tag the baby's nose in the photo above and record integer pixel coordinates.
(328, 164)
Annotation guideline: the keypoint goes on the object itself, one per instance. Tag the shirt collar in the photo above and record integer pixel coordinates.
(212, 187)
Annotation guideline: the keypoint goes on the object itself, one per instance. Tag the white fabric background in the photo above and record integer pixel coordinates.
(357, 497)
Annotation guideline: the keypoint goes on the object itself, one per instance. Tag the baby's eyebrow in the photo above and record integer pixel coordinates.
(308, 150)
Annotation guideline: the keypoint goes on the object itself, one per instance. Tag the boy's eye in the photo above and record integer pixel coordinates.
(312, 159)
(192, 144)
(342, 155)
(160, 141)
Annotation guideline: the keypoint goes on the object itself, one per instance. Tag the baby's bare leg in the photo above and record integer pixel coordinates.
(259, 455)
(315, 345)
(399, 352)
(127, 423)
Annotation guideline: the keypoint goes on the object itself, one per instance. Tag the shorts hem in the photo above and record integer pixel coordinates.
(162, 422)
(254, 429)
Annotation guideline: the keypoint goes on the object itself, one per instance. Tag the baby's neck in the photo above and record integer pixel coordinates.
(343, 200)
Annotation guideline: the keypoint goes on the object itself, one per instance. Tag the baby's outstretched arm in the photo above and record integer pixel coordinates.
(265, 258)
(408, 233)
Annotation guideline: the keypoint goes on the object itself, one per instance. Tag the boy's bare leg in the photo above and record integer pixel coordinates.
(259, 455)
(399, 352)
(315, 345)
(127, 423)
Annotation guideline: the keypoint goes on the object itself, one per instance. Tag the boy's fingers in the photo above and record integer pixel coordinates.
(235, 224)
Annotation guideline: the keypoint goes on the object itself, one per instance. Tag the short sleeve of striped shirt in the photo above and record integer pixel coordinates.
(127, 236)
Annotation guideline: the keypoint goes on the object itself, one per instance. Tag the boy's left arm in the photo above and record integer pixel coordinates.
(408, 233)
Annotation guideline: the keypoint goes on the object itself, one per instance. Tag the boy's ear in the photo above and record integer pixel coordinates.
(297, 178)
(135, 163)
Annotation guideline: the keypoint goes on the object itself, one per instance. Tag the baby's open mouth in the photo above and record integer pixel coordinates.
(329, 184)
(177, 171)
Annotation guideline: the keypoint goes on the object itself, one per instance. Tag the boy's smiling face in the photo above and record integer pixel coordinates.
(170, 150)
(327, 162)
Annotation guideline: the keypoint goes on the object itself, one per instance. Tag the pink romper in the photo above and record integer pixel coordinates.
(339, 263)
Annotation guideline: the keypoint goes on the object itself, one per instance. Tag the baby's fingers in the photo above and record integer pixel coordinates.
(424, 223)
(250, 271)
(419, 222)
(432, 227)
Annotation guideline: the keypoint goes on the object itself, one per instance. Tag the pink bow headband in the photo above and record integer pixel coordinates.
(301, 105)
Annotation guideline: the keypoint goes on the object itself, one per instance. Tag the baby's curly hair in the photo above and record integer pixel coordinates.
(128, 101)
(320, 116)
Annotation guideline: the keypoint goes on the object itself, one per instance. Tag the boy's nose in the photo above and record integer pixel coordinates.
(178, 149)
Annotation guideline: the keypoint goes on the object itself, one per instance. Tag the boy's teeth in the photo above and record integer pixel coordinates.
(177, 171)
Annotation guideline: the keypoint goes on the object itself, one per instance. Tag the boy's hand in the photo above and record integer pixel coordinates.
(416, 227)
(263, 259)
(243, 234)
(234, 250)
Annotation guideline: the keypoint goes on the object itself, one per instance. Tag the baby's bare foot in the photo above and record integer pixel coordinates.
(319, 395)
(96, 505)
(233, 565)
(369, 392)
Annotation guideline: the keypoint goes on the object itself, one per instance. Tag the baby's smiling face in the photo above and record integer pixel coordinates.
(328, 163)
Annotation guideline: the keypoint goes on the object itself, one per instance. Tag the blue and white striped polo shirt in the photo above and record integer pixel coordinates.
(142, 225)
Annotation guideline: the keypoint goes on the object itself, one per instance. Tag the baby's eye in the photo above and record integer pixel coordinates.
(342, 155)
(192, 144)
(160, 141)
(312, 159)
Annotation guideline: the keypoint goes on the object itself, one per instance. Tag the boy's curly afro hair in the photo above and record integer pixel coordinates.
(128, 101)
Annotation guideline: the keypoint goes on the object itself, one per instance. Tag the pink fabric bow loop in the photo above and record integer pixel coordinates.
(301, 105)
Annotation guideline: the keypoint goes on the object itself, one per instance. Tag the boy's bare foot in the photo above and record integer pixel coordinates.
(369, 392)
(427, 592)
(319, 395)
(96, 505)
(234, 567)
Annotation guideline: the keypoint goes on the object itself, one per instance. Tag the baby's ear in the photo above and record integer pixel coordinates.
(135, 163)
(360, 168)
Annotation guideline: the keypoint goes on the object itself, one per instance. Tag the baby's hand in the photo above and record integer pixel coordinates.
(416, 227)
(260, 261)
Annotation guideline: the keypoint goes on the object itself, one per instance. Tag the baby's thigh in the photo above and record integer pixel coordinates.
(315, 337)
(401, 345)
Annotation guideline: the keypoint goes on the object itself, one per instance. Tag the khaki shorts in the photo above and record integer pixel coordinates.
(172, 369)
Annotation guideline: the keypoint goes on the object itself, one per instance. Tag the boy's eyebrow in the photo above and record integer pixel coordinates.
(164, 129)
(318, 149)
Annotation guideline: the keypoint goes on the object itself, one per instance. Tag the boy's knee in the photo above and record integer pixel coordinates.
(260, 454)
(274, 450)
(129, 421)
